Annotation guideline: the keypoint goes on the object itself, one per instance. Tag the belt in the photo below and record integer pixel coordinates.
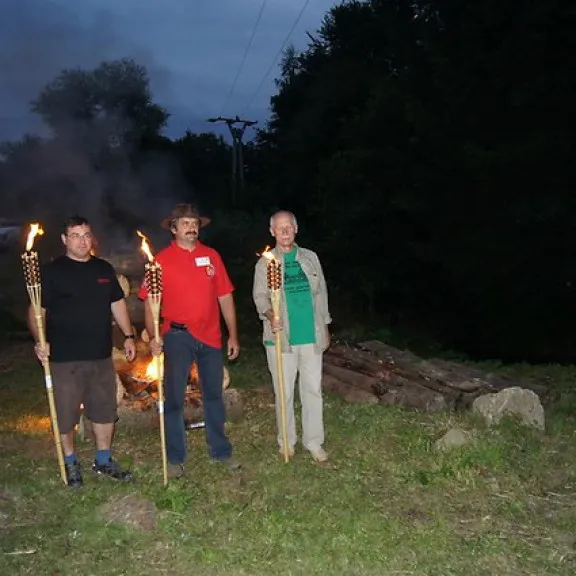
(177, 326)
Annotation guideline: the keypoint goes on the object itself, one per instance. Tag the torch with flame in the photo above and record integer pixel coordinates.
(153, 282)
(31, 267)
(274, 279)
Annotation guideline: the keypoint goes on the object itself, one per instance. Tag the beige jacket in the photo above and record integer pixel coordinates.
(311, 267)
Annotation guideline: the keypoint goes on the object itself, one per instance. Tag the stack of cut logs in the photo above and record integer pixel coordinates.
(375, 373)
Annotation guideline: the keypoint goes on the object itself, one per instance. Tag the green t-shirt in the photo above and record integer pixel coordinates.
(298, 302)
(299, 306)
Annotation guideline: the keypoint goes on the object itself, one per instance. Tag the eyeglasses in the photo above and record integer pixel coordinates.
(75, 236)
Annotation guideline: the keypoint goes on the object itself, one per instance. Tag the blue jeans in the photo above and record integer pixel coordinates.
(180, 350)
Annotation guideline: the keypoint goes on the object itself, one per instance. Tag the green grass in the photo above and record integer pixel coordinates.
(386, 504)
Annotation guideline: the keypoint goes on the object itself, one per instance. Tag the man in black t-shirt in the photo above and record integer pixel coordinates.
(80, 294)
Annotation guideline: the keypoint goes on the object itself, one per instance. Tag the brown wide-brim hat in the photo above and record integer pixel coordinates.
(184, 211)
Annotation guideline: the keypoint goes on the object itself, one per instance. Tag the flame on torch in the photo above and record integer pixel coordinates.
(267, 253)
(145, 246)
(152, 271)
(35, 230)
(273, 270)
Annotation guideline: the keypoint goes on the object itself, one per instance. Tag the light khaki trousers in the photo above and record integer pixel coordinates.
(305, 362)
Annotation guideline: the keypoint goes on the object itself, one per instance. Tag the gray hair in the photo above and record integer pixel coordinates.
(291, 214)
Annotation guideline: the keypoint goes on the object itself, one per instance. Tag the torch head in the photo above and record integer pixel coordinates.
(273, 270)
(274, 274)
(31, 268)
(153, 270)
(153, 278)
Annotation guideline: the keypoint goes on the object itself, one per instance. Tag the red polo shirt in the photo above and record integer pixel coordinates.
(192, 282)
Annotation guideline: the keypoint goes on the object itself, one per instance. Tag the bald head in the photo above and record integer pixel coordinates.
(283, 214)
(284, 227)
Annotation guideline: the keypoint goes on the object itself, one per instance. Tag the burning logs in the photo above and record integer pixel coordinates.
(139, 381)
(374, 372)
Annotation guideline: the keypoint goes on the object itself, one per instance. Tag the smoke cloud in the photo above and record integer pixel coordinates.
(38, 39)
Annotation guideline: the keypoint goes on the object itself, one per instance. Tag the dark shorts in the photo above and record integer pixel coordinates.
(91, 383)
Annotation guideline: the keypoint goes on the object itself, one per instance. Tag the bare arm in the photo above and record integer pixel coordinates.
(120, 313)
(148, 319)
(229, 313)
(155, 347)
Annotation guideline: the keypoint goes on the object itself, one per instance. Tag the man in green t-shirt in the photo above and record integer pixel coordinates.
(304, 328)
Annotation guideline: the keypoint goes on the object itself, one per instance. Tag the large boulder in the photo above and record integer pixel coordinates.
(514, 401)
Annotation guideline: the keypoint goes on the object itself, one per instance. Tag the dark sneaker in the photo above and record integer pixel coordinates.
(175, 471)
(231, 463)
(74, 475)
(113, 470)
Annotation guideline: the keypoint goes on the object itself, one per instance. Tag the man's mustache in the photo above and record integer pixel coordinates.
(191, 233)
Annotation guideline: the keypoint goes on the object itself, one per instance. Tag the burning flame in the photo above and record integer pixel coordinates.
(35, 230)
(267, 253)
(145, 246)
(152, 368)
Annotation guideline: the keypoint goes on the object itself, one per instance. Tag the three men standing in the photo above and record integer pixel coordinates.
(304, 328)
(81, 294)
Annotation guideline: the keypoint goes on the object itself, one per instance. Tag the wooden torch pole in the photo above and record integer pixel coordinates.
(33, 285)
(154, 285)
(274, 275)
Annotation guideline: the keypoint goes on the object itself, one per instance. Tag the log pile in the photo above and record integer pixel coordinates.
(374, 372)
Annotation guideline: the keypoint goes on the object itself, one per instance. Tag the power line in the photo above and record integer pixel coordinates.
(237, 154)
(298, 18)
(254, 30)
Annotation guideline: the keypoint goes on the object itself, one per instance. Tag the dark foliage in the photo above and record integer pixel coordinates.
(429, 144)
(425, 146)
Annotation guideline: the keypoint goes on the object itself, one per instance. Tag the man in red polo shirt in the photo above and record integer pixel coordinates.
(196, 288)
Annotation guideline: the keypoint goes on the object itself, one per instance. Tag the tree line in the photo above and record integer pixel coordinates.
(426, 147)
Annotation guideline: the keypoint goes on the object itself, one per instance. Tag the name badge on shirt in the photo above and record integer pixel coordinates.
(203, 261)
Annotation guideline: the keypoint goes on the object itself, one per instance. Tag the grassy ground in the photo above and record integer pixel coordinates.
(386, 504)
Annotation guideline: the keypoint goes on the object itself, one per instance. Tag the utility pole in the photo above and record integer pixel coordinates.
(237, 134)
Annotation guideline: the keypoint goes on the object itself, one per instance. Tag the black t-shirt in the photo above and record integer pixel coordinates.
(77, 298)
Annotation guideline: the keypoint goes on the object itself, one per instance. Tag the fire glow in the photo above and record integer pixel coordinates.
(145, 246)
(267, 253)
(152, 369)
(35, 230)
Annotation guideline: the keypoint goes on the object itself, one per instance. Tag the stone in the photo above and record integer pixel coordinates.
(454, 438)
(514, 401)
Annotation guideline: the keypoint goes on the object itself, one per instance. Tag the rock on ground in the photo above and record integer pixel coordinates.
(454, 438)
(513, 401)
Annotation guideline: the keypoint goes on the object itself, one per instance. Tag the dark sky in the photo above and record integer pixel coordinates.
(192, 49)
